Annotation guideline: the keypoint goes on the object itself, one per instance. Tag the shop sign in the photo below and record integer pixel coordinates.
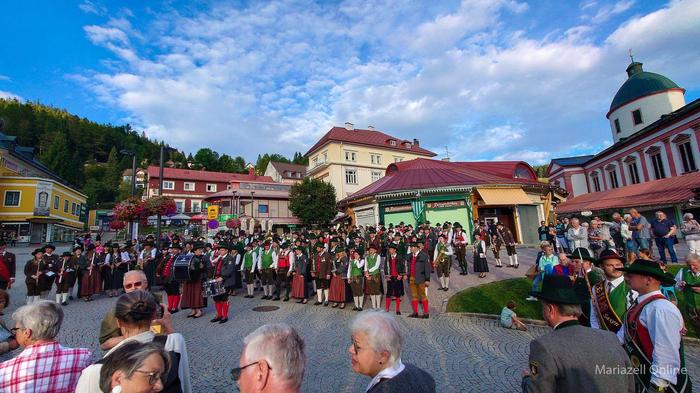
(213, 212)
(445, 204)
(398, 208)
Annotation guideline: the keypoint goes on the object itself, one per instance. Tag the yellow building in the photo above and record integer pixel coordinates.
(36, 205)
(351, 159)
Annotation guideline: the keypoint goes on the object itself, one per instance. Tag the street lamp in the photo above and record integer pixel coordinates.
(160, 191)
(131, 154)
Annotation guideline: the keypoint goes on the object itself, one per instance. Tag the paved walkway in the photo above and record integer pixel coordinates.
(464, 354)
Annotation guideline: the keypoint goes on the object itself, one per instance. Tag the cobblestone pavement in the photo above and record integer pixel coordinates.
(464, 354)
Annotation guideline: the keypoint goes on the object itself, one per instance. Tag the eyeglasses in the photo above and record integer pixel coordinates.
(356, 347)
(153, 376)
(137, 284)
(236, 372)
(14, 330)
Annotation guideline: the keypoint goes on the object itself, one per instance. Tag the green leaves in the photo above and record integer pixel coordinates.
(313, 201)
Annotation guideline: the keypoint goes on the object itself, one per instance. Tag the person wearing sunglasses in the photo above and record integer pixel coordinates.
(135, 311)
(135, 368)
(272, 361)
(110, 334)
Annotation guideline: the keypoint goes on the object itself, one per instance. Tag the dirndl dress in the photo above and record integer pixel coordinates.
(337, 292)
(299, 287)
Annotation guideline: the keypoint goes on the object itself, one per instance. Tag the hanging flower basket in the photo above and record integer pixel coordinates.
(165, 206)
(129, 210)
(232, 223)
(117, 225)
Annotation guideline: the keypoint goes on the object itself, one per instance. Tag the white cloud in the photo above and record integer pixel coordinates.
(608, 11)
(10, 96)
(91, 7)
(529, 156)
(263, 78)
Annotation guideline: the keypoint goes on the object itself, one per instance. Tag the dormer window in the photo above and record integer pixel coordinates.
(617, 126)
(637, 116)
(407, 145)
(392, 142)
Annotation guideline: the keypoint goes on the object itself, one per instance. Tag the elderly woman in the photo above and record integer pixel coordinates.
(691, 231)
(375, 351)
(134, 368)
(134, 312)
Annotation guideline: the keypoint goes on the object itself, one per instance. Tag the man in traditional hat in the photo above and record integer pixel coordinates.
(223, 269)
(250, 262)
(267, 265)
(394, 273)
(166, 273)
(688, 282)
(596, 364)
(373, 276)
(8, 266)
(509, 241)
(284, 280)
(651, 331)
(460, 247)
(148, 260)
(63, 281)
(586, 276)
(321, 272)
(442, 260)
(611, 297)
(418, 280)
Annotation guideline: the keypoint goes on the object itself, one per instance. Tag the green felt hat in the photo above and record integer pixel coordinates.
(558, 290)
(651, 269)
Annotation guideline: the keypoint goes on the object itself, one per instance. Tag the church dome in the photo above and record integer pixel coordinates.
(640, 83)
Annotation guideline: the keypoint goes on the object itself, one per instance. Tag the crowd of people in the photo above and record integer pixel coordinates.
(597, 295)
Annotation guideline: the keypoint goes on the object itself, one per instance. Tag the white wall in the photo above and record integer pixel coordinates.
(578, 183)
(652, 107)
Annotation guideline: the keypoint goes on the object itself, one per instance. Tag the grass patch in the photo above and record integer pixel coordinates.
(492, 297)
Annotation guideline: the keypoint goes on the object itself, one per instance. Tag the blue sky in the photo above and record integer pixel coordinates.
(488, 79)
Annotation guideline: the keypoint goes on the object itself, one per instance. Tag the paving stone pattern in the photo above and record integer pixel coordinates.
(464, 354)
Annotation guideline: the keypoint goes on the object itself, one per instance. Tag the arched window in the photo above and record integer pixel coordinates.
(522, 172)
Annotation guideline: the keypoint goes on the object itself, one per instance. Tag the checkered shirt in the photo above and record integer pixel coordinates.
(44, 368)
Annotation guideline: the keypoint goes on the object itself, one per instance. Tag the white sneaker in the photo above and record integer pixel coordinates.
(531, 299)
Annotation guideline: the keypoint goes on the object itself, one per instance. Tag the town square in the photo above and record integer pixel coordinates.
(389, 196)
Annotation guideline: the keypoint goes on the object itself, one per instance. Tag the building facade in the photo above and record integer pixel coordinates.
(655, 137)
(420, 190)
(286, 173)
(351, 159)
(37, 206)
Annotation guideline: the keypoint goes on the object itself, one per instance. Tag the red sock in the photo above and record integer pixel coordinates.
(224, 310)
(388, 304)
(177, 301)
(170, 302)
(414, 304)
(219, 309)
(398, 304)
(425, 307)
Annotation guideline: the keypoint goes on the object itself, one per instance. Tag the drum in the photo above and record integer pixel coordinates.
(213, 288)
(181, 267)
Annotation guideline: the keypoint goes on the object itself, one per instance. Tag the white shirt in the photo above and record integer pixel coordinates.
(664, 323)
(387, 373)
(615, 283)
(679, 277)
(89, 381)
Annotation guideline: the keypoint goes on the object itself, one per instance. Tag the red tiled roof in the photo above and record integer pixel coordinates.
(422, 173)
(368, 138)
(189, 174)
(658, 192)
(283, 167)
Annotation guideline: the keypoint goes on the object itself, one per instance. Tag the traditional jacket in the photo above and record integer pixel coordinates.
(8, 261)
(322, 265)
(395, 265)
(340, 266)
(300, 263)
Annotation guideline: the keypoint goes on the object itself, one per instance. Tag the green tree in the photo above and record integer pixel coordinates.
(57, 156)
(124, 191)
(540, 170)
(313, 201)
(232, 165)
(113, 172)
(261, 163)
(208, 159)
(299, 159)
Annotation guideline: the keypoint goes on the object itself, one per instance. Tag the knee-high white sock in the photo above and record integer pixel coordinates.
(510, 260)
(498, 262)
(58, 298)
(358, 301)
(326, 292)
(65, 297)
(516, 259)
(447, 282)
(319, 294)
(378, 301)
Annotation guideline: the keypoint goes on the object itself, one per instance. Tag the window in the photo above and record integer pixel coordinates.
(189, 186)
(263, 209)
(314, 162)
(211, 187)
(658, 164)
(43, 199)
(617, 126)
(350, 156)
(376, 159)
(154, 192)
(56, 202)
(376, 176)
(196, 206)
(73, 208)
(408, 145)
(65, 206)
(12, 198)
(596, 183)
(637, 116)
(687, 156)
(180, 206)
(392, 142)
(168, 185)
(634, 172)
(350, 176)
(398, 159)
(325, 157)
(613, 179)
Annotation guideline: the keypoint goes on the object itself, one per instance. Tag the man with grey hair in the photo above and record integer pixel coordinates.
(376, 352)
(597, 362)
(272, 360)
(577, 235)
(44, 365)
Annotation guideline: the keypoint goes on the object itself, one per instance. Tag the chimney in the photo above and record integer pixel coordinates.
(251, 173)
(416, 142)
(371, 128)
(446, 159)
(349, 126)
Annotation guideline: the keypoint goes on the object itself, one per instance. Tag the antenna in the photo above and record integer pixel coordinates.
(447, 154)
(631, 55)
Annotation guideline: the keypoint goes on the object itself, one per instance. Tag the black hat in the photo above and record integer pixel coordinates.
(176, 245)
(558, 290)
(651, 269)
(284, 245)
(393, 245)
(66, 254)
(415, 244)
(299, 249)
(51, 246)
(198, 245)
(320, 244)
(457, 225)
(149, 244)
(78, 248)
(37, 250)
(609, 254)
(582, 253)
(90, 247)
(373, 246)
(227, 246)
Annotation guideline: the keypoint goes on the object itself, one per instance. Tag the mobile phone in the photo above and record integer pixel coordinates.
(161, 311)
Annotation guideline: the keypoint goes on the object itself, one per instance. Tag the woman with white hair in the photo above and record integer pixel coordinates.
(691, 232)
(375, 351)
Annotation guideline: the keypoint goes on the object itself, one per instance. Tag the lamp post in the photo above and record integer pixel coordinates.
(252, 209)
(160, 193)
(133, 184)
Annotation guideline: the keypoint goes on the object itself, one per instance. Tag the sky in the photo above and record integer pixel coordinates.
(471, 79)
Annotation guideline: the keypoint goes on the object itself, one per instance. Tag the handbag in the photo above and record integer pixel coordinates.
(531, 273)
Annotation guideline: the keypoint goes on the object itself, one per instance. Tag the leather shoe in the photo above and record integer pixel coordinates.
(223, 320)
(398, 313)
(276, 298)
(413, 315)
(217, 319)
(426, 316)
(317, 303)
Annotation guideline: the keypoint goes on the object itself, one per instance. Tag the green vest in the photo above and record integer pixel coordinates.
(692, 299)
(371, 262)
(618, 299)
(248, 260)
(355, 271)
(266, 259)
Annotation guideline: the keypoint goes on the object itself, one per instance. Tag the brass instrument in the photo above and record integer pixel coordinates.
(441, 256)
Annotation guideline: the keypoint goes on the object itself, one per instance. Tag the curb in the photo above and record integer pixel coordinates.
(537, 322)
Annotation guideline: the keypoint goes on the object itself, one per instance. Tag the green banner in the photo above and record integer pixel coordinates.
(224, 217)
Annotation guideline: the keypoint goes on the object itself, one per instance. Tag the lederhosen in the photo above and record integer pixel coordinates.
(460, 249)
(283, 280)
(640, 349)
(373, 282)
(443, 262)
(52, 263)
(266, 272)
(356, 274)
(394, 286)
(249, 267)
(510, 247)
